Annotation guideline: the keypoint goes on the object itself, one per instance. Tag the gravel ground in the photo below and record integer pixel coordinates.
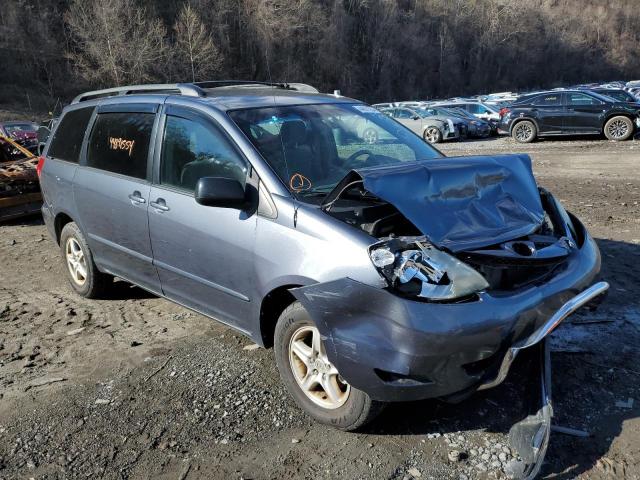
(136, 387)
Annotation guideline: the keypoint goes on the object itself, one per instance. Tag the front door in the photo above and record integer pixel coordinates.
(204, 255)
(111, 190)
(584, 113)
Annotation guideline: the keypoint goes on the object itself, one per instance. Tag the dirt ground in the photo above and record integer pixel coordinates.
(136, 387)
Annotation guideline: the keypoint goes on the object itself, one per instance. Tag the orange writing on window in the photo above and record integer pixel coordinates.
(299, 182)
(121, 144)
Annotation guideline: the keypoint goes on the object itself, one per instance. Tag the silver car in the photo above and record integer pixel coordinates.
(380, 270)
(431, 128)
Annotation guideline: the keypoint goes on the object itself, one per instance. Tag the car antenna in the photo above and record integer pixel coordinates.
(284, 153)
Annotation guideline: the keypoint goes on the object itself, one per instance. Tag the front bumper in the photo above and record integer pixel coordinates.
(397, 349)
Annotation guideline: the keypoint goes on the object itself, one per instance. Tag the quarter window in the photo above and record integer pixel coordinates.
(119, 143)
(67, 139)
(192, 150)
(547, 100)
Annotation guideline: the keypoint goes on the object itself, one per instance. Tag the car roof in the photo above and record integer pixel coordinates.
(223, 97)
(240, 98)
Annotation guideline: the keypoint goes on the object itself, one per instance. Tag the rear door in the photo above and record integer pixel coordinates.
(204, 255)
(584, 113)
(549, 111)
(111, 191)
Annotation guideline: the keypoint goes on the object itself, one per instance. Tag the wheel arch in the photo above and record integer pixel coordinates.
(61, 219)
(272, 305)
(517, 120)
(628, 115)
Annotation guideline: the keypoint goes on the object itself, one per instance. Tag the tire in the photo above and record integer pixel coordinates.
(82, 273)
(370, 136)
(618, 128)
(352, 408)
(432, 134)
(524, 131)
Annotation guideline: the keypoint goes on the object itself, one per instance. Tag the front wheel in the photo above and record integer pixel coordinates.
(618, 128)
(312, 380)
(432, 135)
(524, 132)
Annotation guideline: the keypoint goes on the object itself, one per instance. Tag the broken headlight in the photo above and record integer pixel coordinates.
(414, 267)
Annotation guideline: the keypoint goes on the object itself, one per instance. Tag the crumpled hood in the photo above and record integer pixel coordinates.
(462, 203)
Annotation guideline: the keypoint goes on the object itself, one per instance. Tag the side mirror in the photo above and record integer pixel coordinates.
(416, 117)
(220, 192)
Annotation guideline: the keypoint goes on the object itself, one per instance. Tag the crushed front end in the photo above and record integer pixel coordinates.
(478, 262)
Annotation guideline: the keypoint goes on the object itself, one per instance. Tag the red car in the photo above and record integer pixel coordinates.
(23, 132)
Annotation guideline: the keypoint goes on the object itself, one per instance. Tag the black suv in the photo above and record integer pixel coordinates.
(569, 112)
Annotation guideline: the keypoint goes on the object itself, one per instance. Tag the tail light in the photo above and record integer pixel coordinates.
(40, 165)
(504, 111)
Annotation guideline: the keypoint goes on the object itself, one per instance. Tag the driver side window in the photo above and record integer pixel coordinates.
(403, 113)
(192, 150)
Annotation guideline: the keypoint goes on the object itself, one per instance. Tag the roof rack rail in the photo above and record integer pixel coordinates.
(195, 89)
(188, 89)
(302, 87)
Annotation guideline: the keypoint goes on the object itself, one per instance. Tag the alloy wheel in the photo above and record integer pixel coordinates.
(76, 261)
(432, 134)
(315, 374)
(523, 132)
(618, 129)
(370, 136)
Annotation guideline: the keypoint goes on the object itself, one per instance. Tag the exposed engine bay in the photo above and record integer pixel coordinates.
(417, 266)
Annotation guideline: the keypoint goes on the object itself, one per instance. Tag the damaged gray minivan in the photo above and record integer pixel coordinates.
(379, 269)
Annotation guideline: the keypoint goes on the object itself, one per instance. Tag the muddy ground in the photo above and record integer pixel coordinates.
(136, 387)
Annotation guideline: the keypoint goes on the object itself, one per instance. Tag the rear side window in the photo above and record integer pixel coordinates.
(547, 100)
(119, 143)
(67, 141)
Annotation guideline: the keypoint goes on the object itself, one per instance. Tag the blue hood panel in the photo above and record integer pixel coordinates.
(462, 203)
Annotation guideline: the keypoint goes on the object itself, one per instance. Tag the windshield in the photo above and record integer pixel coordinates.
(15, 128)
(312, 147)
(619, 95)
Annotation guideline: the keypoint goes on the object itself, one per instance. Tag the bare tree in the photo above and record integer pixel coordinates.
(114, 41)
(194, 53)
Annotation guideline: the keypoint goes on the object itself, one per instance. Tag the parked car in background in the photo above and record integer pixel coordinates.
(432, 129)
(480, 110)
(569, 112)
(22, 132)
(475, 127)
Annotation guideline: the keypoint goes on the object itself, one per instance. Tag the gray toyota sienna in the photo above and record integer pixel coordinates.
(379, 269)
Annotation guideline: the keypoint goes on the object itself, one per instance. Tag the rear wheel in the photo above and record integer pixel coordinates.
(432, 135)
(83, 275)
(312, 380)
(618, 128)
(524, 132)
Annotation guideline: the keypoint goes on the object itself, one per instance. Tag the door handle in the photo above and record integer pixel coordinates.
(160, 205)
(136, 198)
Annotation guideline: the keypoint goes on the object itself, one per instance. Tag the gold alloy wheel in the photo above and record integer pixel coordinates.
(314, 373)
(76, 261)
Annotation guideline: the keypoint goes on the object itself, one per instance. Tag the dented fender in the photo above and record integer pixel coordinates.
(396, 348)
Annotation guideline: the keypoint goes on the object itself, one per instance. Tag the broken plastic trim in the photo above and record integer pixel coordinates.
(530, 437)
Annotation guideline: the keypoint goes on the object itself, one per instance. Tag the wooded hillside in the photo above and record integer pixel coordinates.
(371, 49)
